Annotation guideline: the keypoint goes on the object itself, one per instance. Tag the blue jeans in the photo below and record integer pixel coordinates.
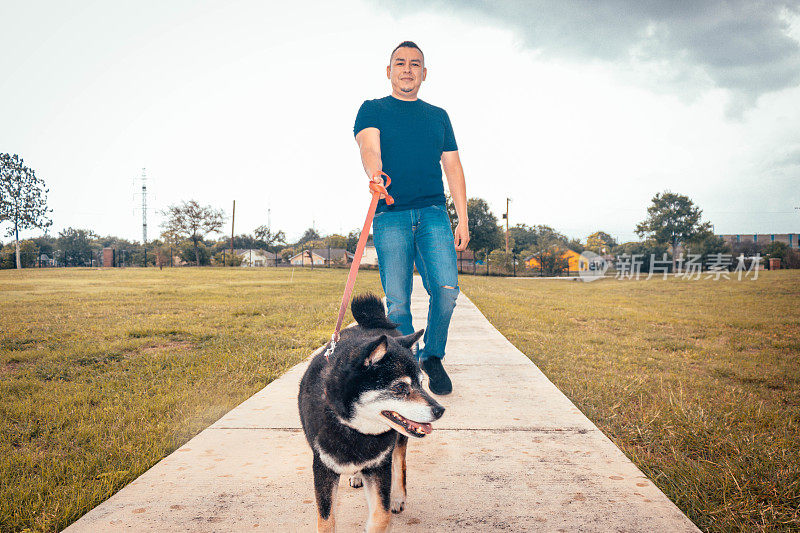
(423, 237)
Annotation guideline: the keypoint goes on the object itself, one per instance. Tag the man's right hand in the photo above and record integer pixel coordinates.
(378, 179)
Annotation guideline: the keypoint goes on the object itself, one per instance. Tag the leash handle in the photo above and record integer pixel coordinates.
(377, 187)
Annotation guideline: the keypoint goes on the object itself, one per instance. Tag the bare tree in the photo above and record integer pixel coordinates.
(190, 220)
(23, 198)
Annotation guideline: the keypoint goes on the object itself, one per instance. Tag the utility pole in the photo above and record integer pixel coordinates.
(233, 220)
(505, 216)
(144, 214)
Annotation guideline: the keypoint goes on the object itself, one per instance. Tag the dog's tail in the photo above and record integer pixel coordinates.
(369, 313)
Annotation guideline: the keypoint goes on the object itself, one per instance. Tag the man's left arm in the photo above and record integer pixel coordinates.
(451, 164)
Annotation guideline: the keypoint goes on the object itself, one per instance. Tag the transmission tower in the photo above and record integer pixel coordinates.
(144, 208)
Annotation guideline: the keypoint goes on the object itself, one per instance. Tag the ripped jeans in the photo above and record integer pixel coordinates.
(423, 237)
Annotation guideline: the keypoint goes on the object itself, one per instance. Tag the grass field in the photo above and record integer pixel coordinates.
(104, 372)
(698, 382)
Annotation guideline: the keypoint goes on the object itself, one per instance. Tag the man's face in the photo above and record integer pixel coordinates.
(406, 71)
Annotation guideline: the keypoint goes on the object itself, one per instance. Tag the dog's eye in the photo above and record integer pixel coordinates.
(400, 388)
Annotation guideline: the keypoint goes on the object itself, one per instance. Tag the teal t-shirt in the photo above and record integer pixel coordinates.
(413, 136)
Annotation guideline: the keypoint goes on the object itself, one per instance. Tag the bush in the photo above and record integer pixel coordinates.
(187, 253)
(27, 252)
(551, 259)
(229, 260)
(500, 260)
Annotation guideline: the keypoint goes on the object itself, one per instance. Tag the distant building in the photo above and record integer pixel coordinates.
(370, 256)
(792, 239)
(256, 257)
(322, 257)
(573, 260)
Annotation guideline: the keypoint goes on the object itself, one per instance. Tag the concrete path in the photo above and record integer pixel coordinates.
(511, 453)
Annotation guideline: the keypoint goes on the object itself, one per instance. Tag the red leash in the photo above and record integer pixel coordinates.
(377, 188)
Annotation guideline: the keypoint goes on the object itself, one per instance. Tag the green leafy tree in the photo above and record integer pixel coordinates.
(27, 254)
(226, 259)
(190, 220)
(352, 240)
(309, 235)
(547, 236)
(600, 242)
(270, 239)
(576, 245)
(46, 244)
(23, 199)
(645, 251)
(336, 241)
(673, 219)
(195, 252)
(524, 237)
(550, 257)
(451, 211)
(779, 250)
(78, 244)
(485, 234)
(707, 245)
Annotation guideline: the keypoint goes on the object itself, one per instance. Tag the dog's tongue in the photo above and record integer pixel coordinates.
(426, 428)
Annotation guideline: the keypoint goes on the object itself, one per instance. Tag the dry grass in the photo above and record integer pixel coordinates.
(698, 382)
(105, 372)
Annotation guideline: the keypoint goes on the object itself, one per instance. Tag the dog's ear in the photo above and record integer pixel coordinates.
(375, 350)
(409, 340)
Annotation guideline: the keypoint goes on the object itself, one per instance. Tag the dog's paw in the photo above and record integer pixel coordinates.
(356, 481)
(398, 503)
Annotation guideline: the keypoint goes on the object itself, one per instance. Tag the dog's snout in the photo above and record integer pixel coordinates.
(438, 410)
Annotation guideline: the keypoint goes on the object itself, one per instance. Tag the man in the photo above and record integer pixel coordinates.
(408, 139)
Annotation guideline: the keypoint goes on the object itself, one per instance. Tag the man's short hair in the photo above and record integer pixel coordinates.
(407, 44)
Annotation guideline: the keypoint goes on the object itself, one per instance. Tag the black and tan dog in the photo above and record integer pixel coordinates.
(358, 410)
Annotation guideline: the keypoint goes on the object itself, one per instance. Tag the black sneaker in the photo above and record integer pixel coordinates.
(439, 381)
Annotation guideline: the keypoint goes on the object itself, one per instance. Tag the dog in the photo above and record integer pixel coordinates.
(358, 410)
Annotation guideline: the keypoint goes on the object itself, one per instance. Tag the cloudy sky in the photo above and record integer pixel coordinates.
(578, 111)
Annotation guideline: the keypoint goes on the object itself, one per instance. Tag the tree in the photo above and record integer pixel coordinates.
(352, 240)
(484, 232)
(523, 237)
(645, 251)
(336, 241)
(77, 243)
(23, 199)
(452, 214)
(673, 219)
(708, 245)
(576, 246)
(189, 220)
(550, 257)
(600, 242)
(265, 235)
(547, 236)
(310, 235)
(27, 253)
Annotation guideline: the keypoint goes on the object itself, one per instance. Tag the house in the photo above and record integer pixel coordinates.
(322, 257)
(792, 239)
(573, 260)
(370, 256)
(256, 257)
